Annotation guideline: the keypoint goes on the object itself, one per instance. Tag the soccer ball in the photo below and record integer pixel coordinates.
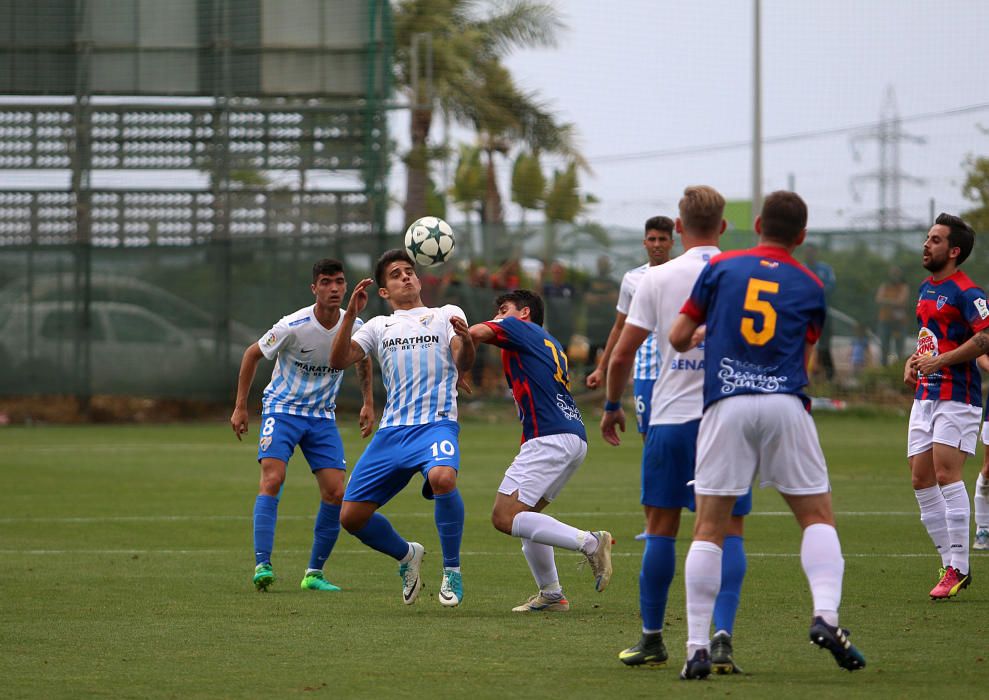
(429, 241)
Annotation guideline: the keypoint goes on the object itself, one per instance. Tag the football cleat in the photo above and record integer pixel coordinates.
(722, 654)
(314, 581)
(452, 588)
(698, 667)
(264, 576)
(951, 582)
(981, 539)
(835, 640)
(650, 651)
(409, 571)
(600, 560)
(540, 603)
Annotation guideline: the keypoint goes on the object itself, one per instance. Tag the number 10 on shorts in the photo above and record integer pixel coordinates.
(443, 449)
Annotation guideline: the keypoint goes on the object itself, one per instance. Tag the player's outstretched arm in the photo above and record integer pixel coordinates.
(977, 345)
(596, 378)
(366, 416)
(345, 351)
(248, 368)
(682, 333)
(481, 333)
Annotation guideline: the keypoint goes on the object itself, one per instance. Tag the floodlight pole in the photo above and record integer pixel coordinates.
(756, 111)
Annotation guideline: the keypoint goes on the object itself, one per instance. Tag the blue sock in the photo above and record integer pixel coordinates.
(265, 515)
(325, 533)
(380, 535)
(658, 567)
(449, 514)
(733, 565)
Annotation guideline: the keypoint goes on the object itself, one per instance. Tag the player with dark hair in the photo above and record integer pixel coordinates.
(299, 408)
(763, 312)
(554, 443)
(944, 421)
(422, 352)
(658, 242)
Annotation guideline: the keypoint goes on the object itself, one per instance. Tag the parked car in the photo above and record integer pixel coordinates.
(132, 351)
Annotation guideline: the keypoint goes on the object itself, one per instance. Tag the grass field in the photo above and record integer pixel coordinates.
(127, 559)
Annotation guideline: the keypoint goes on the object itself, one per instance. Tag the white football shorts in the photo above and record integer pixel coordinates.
(945, 422)
(543, 467)
(985, 432)
(769, 434)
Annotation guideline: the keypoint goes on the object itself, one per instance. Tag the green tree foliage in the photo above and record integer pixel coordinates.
(976, 189)
(469, 39)
(563, 199)
(528, 181)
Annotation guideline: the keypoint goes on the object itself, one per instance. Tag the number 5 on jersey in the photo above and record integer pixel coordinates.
(757, 305)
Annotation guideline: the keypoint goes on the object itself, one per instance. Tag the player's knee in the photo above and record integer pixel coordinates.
(502, 520)
(332, 496)
(271, 484)
(442, 481)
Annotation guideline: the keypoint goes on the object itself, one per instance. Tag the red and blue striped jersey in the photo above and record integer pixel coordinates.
(536, 369)
(949, 312)
(761, 308)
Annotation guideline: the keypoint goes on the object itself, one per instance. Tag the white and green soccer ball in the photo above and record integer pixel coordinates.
(429, 241)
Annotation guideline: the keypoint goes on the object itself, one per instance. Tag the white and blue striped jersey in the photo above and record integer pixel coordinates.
(412, 347)
(302, 382)
(647, 359)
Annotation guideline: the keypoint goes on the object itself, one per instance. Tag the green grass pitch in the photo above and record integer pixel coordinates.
(127, 559)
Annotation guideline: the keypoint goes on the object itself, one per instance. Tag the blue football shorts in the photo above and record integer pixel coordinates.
(395, 454)
(668, 459)
(318, 437)
(642, 393)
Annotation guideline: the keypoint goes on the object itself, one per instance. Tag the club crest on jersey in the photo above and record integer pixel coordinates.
(425, 320)
(980, 306)
(926, 342)
(941, 301)
(265, 443)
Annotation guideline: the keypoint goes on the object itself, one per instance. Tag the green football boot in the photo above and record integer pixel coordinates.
(314, 581)
(264, 576)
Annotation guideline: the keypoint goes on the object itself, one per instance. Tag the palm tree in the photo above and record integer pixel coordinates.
(469, 40)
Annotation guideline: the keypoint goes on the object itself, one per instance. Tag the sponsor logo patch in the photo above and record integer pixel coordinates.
(771, 264)
(298, 322)
(980, 306)
(270, 339)
(926, 342)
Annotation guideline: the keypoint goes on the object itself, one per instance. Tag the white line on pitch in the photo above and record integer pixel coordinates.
(510, 553)
(395, 516)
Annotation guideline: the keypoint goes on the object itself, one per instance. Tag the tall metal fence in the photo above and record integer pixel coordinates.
(170, 313)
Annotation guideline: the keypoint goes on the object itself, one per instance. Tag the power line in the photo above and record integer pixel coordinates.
(796, 136)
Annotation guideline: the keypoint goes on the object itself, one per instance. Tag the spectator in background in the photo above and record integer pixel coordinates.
(560, 300)
(599, 300)
(860, 349)
(825, 273)
(891, 298)
(508, 277)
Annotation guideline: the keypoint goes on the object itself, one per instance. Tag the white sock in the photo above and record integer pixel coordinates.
(541, 563)
(702, 576)
(408, 555)
(931, 502)
(824, 567)
(545, 529)
(957, 515)
(312, 571)
(982, 502)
